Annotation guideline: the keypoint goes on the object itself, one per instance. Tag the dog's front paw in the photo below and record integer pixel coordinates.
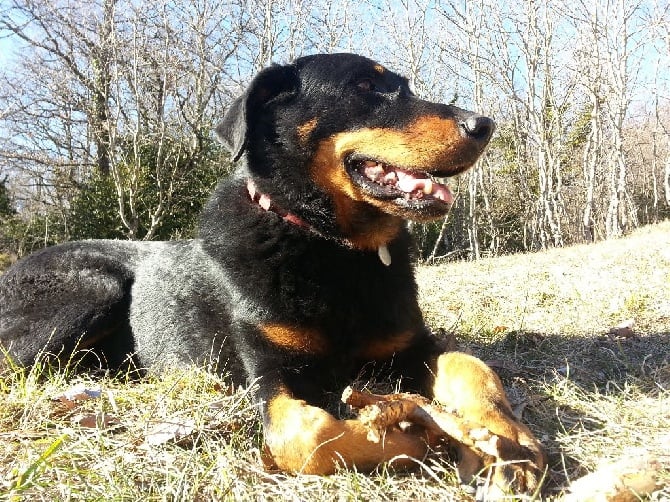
(497, 447)
(500, 466)
(506, 469)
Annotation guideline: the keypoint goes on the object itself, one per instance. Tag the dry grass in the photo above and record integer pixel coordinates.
(541, 320)
(544, 321)
(46, 456)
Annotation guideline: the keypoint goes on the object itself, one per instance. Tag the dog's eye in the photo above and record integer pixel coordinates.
(366, 85)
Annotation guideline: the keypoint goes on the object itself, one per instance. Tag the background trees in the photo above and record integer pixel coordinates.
(107, 108)
(116, 101)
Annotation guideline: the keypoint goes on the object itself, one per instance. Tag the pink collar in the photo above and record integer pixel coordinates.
(266, 203)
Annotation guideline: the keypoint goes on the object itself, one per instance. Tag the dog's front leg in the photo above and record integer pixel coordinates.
(469, 387)
(306, 439)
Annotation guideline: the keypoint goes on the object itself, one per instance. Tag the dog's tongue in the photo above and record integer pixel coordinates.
(411, 182)
(414, 183)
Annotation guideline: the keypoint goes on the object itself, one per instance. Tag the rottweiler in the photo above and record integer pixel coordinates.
(301, 278)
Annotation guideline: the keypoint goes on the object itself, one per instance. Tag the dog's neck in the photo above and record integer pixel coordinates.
(265, 202)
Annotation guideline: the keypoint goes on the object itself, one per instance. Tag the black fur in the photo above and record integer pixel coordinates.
(206, 300)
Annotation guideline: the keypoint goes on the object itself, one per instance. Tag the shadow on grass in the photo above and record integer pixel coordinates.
(585, 397)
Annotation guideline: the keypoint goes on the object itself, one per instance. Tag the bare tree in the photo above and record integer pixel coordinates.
(540, 116)
(661, 23)
(467, 53)
(520, 59)
(609, 55)
(273, 31)
(334, 27)
(127, 92)
(117, 88)
(412, 55)
(76, 52)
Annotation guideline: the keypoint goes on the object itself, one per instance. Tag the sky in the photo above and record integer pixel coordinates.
(646, 70)
(5, 50)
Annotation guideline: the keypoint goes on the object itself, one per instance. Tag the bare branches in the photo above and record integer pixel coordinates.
(131, 91)
(128, 88)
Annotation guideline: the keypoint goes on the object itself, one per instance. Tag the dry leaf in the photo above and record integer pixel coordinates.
(76, 394)
(163, 432)
(98, 420)
(623, 330)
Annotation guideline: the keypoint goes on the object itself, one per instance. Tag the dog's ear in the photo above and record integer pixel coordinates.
(234, 129)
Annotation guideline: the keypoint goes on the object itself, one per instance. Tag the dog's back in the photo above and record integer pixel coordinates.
(128, 302)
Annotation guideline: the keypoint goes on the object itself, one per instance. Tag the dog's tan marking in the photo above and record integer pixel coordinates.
(306, 439)
(361, 228)
(305, 129)
(380, 69)
(469, 387)
(296, 339)
(428, 144)
(385, 348)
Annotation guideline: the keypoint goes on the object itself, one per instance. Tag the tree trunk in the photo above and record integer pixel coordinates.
(101, 67)
(590, 159)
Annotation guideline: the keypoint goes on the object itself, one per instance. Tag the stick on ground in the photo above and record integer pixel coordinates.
(379, 412)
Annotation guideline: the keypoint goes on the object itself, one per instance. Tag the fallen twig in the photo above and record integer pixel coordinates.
(379, 412)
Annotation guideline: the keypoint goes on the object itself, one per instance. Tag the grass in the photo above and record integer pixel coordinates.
(543, 321)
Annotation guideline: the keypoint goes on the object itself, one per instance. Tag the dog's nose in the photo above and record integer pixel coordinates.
(478, 127)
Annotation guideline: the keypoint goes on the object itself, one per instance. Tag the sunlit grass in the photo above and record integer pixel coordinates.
(542, 321)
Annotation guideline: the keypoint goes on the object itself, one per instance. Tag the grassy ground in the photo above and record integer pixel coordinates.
(543, 321)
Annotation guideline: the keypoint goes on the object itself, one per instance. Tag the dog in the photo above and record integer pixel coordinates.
(301, 278)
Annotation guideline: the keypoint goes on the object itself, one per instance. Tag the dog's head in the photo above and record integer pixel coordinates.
(342, 142)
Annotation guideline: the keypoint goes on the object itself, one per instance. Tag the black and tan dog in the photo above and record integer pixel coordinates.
(300, 279)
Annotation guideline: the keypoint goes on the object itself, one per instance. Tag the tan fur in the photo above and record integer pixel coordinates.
(297, 339)
(469, 387)
(380, 349)
(306, 439)
(428, 144)
(329, 173)
(304, 130)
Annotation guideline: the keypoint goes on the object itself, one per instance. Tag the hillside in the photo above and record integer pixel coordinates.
(543, 321)
(579, 290)
(581, 335)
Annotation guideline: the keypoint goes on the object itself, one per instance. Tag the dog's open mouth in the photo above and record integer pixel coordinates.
(407, 187)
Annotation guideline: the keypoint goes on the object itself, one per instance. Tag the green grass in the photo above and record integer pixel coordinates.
(542, 321)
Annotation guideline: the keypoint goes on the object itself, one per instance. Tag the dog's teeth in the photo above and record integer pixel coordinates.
(428, 187)
(407, 183)
(443, 193)
(390, 178)
(375, 172)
